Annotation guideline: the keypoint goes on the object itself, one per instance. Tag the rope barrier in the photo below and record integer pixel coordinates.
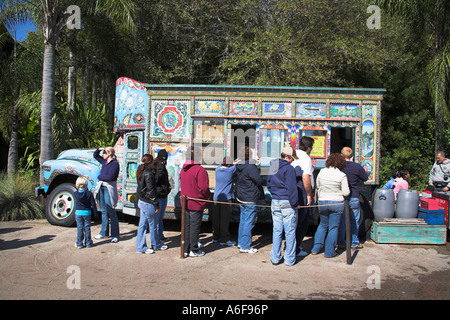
(262, 206)
(346, 213)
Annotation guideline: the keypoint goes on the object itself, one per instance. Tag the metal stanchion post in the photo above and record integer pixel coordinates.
(348, 235)
(183, 212)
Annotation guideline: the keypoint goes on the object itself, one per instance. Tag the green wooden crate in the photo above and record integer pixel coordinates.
(396, 231)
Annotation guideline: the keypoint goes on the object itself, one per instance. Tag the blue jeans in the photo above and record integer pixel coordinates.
(354, 218)
(330, 217)
(247, 221)
(283, 219)
(83, 230)
(162, 210)
(148, 221)
(108, 213)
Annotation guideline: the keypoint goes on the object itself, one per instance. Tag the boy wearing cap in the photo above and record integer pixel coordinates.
(282, 185)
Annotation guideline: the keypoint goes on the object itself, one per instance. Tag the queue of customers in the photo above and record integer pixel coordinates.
(290, 182)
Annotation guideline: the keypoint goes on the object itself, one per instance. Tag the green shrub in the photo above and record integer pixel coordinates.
(17, 200)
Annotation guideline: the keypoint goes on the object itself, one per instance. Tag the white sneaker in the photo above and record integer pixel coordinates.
(99, 236)
(229, 243)
(148, 251)
(200, 245)
(114, 240)
(249, 250)
(199, 253)
(163, 247)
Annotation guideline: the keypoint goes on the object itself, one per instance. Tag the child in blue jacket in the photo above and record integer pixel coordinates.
(85, 206)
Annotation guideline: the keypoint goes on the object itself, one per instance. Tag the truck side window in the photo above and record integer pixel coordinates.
(132, 142)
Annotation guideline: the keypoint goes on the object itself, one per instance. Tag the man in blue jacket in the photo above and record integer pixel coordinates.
(249, 190)
(282, 185)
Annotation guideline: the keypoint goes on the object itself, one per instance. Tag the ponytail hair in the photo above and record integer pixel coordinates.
(147, 161)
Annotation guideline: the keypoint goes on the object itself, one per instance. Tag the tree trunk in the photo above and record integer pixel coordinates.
(439, 122)
(439, 30)
(72, 80)
(47, 105)
(13, 152)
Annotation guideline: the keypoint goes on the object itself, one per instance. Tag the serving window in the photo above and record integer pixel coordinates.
(209, 134)
(271, 142)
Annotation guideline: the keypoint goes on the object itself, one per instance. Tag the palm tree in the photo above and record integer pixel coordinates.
(13, 23)
(431, 18)
(50, 14)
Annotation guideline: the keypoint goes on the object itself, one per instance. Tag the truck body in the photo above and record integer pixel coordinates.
(220, 119)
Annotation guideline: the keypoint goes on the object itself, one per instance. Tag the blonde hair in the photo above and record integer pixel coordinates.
(110, 150)
(347, 152)
(81, 183)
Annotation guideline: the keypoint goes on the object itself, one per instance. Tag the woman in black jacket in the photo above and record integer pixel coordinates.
(148, 205)
(162, 189)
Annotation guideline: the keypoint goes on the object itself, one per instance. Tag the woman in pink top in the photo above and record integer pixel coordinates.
(400, 182)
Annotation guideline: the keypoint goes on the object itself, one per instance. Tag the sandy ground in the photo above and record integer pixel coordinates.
(39, 261)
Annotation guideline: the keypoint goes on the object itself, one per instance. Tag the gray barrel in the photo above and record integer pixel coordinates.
(407, 204)
(383, 204)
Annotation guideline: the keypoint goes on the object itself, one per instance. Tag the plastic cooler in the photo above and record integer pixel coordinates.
(432, 217)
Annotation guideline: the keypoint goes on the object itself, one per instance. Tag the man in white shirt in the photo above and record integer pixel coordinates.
(306, 185)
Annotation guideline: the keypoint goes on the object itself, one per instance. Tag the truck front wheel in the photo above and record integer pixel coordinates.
(60, 208)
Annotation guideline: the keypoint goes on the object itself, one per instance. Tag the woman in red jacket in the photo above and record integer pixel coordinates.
(194, 183)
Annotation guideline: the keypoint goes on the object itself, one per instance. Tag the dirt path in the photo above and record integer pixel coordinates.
(39, 261)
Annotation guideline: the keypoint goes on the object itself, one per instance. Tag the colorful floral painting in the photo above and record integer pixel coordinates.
(170, 118)
(131, 106)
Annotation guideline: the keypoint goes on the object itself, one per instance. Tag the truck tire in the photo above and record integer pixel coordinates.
(60, 207)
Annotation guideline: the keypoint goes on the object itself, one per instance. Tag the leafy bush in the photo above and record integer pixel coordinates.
(17, 200)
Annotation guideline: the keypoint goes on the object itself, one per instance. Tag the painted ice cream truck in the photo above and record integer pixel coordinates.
(219, 119)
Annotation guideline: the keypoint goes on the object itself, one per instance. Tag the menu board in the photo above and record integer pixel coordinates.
(320, 147)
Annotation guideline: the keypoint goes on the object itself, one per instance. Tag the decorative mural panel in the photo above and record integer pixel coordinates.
(244, 108)
(277, 109)
(311, 110)
(170, 118)
(131, 105)
(368, 138)
(344, 111)
(207, 107)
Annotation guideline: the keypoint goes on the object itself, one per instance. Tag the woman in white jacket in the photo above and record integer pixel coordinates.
(332, 187)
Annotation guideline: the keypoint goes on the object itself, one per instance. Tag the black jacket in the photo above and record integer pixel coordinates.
(248, 182)
(147, 187)
(162, 181)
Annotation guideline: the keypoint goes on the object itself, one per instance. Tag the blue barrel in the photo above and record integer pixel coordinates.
(407, 204)
(383, 204)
